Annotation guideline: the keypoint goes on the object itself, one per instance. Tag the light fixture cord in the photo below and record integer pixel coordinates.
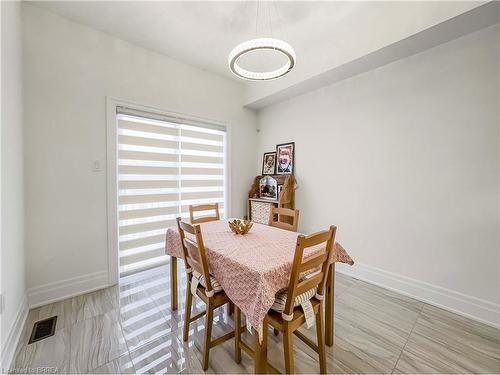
(280, 31)
(269, 17)
(257, 18)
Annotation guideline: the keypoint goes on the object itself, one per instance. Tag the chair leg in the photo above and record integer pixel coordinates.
(288, 347)
(230, 308)
(320, 332)
(208, 334)
(237, 334)
(173, 283)
(187, 314)
(260, 349)
(329, 309)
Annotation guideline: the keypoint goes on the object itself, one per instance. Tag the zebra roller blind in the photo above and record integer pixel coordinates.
(164, 165)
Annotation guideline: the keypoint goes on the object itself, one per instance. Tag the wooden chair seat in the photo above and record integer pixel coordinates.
(201, 279)
(218, 299)
(280, 299)
(276, 319)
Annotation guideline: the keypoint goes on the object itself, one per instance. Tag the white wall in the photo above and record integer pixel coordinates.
(377, 25)
(12, 191)
(404, 159)
(69, 71)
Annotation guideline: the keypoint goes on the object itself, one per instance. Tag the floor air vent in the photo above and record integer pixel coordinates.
(43, 329)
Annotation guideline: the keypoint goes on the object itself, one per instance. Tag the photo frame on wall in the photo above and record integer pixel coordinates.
(269, 163)
(285, 158)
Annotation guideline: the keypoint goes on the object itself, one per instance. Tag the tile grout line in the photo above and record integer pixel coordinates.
(129, 352)
(408, 338)
(123, 335)
(349, 287)
(128, 349)
(70, 334)
(157, 306)
(121, 331)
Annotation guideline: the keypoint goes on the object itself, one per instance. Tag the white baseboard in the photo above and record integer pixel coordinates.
(59, 290)
(469, 306)
(9, 348)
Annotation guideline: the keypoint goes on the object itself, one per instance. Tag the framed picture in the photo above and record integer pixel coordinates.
(285, 158)
(269, 163)
(268, 188)
(280, 189)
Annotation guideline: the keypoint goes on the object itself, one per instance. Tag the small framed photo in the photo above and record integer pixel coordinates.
(285, 158)
(269, 163)
(280, 189)
(268, 188)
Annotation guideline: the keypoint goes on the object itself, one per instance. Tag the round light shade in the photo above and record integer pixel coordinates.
(261, 44)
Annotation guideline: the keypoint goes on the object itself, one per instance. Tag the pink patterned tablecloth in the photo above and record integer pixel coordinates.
(251, 268)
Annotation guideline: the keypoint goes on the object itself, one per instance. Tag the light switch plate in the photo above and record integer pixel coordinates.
(96, 167)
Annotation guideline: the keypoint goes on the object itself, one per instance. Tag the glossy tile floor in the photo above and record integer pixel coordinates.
(129, 328)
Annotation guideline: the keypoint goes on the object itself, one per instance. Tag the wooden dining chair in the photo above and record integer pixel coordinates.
(201, 284)
(279, 212)
(307, 285)
(203, 207)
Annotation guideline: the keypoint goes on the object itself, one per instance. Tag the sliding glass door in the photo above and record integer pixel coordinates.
(164, 164)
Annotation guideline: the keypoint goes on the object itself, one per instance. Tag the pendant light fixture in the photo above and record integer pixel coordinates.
(260, 44)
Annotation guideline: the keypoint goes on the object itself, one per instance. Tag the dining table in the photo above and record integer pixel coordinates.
(251, 269)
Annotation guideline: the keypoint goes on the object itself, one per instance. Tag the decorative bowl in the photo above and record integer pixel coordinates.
(240, 226)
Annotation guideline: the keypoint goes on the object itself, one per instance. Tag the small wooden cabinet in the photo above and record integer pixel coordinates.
(260, 208)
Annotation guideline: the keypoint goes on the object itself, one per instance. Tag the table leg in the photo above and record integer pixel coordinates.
(230, 308)
(173, 283)
(261, 350)
(330, 311)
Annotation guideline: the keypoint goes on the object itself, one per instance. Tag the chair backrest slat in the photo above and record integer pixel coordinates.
(280, 211)
(195, 256)
(193, 252)
(312, 262)
(203, 207)
(300, 265)
(181, 229)
(186, 227)
(316, 239)
(309, 283)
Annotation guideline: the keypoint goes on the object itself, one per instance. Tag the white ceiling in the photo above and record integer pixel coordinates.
(325, 34)
(203, 33)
